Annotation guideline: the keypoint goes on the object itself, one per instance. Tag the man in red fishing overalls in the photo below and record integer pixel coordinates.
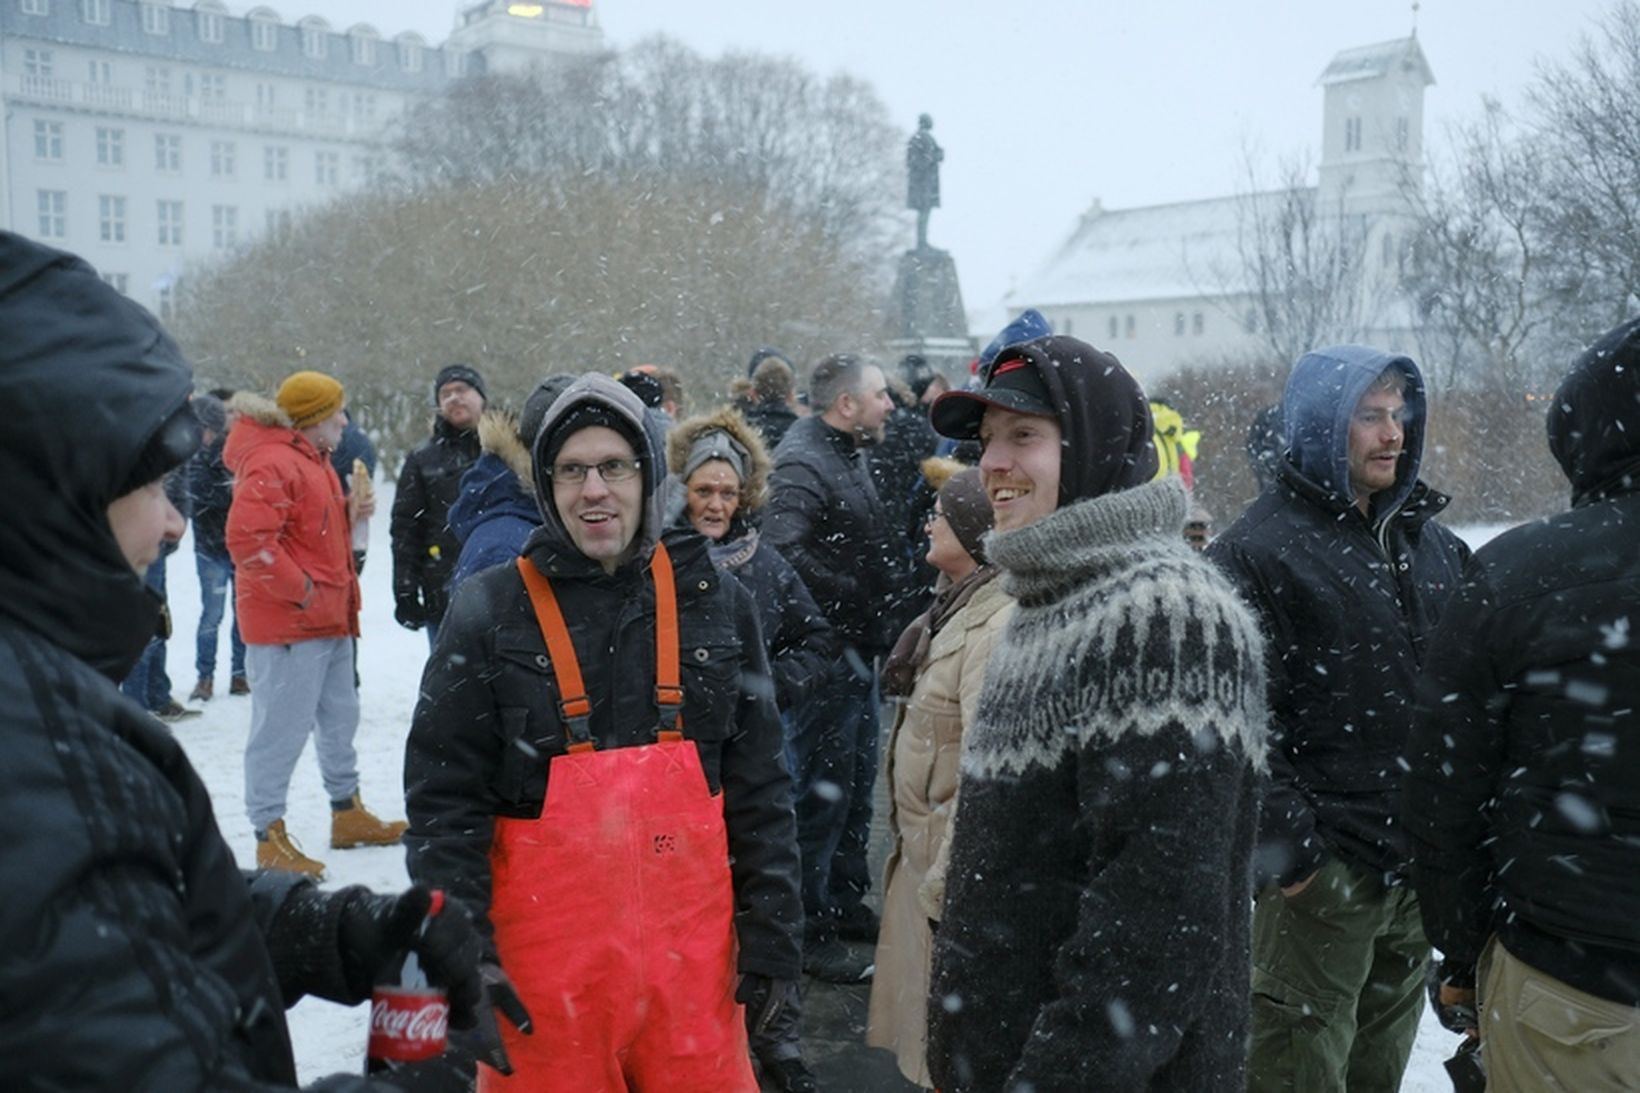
(596, 769)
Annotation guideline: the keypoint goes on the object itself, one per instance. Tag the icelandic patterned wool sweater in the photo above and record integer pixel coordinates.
(1098, 904)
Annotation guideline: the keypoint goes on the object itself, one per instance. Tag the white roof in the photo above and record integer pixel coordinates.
(1374, 61)
(1157, 252)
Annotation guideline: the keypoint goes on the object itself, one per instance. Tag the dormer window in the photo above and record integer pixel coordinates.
(411, 52)
(315, 37)
(361, 43)
(97, 12)
(156, 17)
(208, 21)
(264, 30)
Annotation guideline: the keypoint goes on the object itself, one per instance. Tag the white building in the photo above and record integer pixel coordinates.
(144, 136)
(1163, 286)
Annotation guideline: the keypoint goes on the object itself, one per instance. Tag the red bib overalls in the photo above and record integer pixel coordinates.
(614, 911)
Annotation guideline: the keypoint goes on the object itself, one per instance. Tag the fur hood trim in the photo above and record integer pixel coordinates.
(260, 409)
(498, 435)
(753, 491)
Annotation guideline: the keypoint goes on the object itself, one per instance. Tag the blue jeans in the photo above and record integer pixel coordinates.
(835, 741)
(148, 685)
(215, 586)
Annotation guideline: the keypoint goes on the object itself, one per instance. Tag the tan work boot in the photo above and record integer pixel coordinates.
(277, 851)
(357, 826)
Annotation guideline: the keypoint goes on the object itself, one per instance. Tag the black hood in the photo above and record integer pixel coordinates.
(86, 378)
(1594, 422)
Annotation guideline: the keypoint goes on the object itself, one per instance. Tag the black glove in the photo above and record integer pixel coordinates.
(407, 609)
(1451, 989)
(373, 929)
(764, 999)
(484, 1041)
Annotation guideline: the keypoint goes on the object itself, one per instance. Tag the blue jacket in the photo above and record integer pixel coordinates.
(494, 510)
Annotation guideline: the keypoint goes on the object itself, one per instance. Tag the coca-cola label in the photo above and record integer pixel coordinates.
(407, 1026)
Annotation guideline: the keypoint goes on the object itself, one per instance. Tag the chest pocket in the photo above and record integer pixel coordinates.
(530, 729)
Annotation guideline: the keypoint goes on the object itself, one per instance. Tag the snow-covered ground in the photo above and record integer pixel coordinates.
(329, 1038)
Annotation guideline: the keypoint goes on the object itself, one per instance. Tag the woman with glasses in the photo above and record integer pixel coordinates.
(934, 676)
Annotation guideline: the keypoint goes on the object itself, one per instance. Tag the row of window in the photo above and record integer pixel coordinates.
(1127, 326)
(209, 27)
(112, 220)
(167, 292)
(1352, 134)
(224, 155)
(209, 87)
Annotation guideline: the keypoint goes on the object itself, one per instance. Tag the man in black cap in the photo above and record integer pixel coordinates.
(1096, 928)
(424, 548)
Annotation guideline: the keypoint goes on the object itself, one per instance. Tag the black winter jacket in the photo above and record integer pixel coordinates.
(210, 487)
(487, 724)
(794, 628)
(1523, 798)
(136, 957)
(824, 517)
(424, 548)
(770, 419)
(1347, 604)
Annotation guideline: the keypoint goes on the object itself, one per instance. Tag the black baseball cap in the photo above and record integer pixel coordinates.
(1013, 383)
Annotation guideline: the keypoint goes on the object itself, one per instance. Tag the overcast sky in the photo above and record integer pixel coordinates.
(1043, 105)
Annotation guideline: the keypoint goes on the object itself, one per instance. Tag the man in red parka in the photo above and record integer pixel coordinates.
(297, 596)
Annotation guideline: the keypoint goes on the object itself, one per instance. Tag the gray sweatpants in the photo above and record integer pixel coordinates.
(296, 689)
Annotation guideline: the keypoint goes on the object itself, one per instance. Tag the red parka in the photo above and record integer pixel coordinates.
(288, 533)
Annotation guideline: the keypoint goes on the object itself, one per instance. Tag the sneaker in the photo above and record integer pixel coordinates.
(279, 851)
(202, 690)
(239, 685)
(788, 1075)
(356, 825)
(858, 923)
(834, 962)
(174, 711)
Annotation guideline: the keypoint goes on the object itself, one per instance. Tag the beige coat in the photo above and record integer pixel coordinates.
(923, 753)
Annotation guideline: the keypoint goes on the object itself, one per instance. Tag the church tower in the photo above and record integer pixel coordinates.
(1372, 125)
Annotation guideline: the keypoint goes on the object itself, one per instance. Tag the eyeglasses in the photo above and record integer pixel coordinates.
(934, 514)
(610, 470)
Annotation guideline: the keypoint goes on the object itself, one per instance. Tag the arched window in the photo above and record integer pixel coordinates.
(264, 29)
(315, 37)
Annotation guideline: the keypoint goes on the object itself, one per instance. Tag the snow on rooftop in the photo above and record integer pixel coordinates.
(1371, 62)
(1156, 252)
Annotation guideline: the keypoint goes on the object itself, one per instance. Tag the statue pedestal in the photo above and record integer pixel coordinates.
(929, 317)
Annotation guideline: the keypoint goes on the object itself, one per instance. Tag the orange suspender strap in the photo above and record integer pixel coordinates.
(668, 689)
(573, 704)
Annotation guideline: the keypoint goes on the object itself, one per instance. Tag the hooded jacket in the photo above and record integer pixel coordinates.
(1347, 602)
(1523, 797)
(1096, 927)
(424, 547)
(795, 630)
(488, 723)
(495, 512)
(288, 532)
(135, 953)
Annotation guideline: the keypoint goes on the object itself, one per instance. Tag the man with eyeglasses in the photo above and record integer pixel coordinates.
(596, 766)
(1349, 574)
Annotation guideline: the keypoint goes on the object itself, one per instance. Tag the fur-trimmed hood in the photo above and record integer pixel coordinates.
(260, 409)
(754, 490)
(498, 435)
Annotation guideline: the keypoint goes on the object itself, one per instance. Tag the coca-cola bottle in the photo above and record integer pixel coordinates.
(409, 1017)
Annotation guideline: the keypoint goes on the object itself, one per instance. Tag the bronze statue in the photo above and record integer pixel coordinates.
(922, 166)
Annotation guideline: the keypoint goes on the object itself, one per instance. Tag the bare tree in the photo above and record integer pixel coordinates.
(819, 148)
(1477, 269)
(1589, 135)
(1295, 273)
(603, 274)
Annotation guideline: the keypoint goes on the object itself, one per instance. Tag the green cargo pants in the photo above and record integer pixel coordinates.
(1338, 985)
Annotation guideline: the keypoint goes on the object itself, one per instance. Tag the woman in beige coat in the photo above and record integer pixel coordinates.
(934, 673)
